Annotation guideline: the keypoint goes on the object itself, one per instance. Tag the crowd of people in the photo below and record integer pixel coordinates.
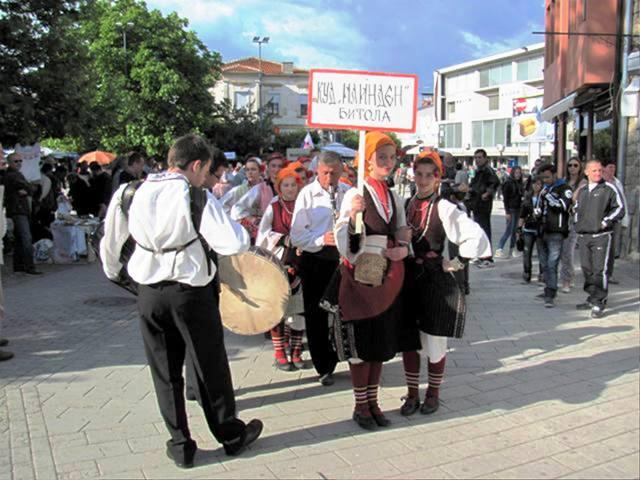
(372, 274)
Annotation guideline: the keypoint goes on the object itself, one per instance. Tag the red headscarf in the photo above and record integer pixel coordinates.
(373, 141)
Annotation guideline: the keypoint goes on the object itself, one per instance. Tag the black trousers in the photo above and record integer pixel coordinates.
(483, 218)
(595, 251)
(530, 239)
(316, 273)
(181, 322)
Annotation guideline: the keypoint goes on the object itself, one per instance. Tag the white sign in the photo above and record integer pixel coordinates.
(527, 124)
(30, 161)
(356, 100)
(294, 153)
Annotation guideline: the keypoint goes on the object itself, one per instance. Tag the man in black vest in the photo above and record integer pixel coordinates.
(179, 314)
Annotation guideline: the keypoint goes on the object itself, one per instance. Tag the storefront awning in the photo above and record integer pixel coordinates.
(561, 106)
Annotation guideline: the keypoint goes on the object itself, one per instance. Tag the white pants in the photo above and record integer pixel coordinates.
(433, 347)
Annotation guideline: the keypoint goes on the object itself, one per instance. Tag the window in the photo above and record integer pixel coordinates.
(242, 100)
(494, 102)
(272, 104)
(497, 75)
(489, 133)
(451, 108)
(451, 135)
(304, 104)
(530, 69)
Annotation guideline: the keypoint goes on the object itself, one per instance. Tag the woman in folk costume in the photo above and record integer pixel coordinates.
(372, 271)
(434, 304)
(252, 172)
(249, 209)
(273, 234)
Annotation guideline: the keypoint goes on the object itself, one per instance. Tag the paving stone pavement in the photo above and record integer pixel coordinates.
(529, 392)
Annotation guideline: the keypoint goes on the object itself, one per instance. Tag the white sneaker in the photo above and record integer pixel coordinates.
(516, 254)
(500, 253)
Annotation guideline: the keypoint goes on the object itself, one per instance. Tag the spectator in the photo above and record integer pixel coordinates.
(482, 188)
(80, 193)
(598, 206)
(100, 189)
(529, 228)
(609, 174)
(4, 354)
(575, 179)
(44, 214)
(17, 199)
(133, 168)
(512, 190)
(553, 211)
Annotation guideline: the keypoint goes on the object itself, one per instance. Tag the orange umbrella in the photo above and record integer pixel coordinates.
(103, 158)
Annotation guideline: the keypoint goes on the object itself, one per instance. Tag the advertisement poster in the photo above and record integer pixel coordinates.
(526, 124)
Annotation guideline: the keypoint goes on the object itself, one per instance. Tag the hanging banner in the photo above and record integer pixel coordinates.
(359, 100)
(527, 124)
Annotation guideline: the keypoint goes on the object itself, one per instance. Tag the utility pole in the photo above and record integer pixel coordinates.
(260, 41)
(124, 27)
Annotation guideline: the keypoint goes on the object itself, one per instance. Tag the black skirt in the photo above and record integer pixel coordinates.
(371, 340)
(433, 303)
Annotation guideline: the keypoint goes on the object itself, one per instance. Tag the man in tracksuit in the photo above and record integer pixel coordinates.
(553, 211)
(598, 207)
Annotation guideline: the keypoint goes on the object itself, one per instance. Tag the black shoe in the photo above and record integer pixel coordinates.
(380, 419)
(191, 395)
(430, 405)
(185, 461)
(541, 296)
(327, 379)
(526, 278)
(410, 406)
(613, 281)
(584, 306)
(467, 290)
(368, 423)
(285, 367)
(548, 302)
(597, 312)
(4, 342)
(33, 271)
(251, 434)
(4, 355)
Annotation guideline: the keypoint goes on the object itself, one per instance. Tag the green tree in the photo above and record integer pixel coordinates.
(293, 139)
(158, 90)
(239, 130)
(350, 138)
(43, 70)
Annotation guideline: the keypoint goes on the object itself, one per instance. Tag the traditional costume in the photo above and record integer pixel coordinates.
(434, 304)
(273, 234)
(365, 324)
(248, 210)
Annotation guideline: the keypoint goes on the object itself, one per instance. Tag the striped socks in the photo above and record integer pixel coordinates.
(375, 371)
(360, 381)
(436, 374)
(411, 361)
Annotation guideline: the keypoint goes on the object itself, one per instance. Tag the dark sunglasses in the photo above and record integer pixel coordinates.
(574, 165)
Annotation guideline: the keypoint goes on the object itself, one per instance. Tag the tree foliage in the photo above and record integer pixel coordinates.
(239, 130)
(43, 66)
(293, 139)
(350, 138)
(154, 92)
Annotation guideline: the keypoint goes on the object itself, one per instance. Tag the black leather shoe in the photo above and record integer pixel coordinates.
(4, 355)
(327, 379)
(410, 406)
(368, 423)
(430, 405)
(4, 342)
(285, 367)
(380, 419)
(34, 272)
(186, 460)
(251, 434)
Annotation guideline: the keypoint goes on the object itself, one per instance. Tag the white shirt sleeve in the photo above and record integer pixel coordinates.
(116, 232)
(223, 235)
(230, 198)
(463, 231)
(303, 235)
(247, 204)
(341, 229)
(266, 237)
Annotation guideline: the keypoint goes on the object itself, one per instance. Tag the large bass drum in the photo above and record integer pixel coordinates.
(255, 291)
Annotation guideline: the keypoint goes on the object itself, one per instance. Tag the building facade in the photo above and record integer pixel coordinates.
(478, 104)
(280, 88)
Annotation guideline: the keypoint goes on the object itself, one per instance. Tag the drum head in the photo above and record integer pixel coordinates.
(254, 291)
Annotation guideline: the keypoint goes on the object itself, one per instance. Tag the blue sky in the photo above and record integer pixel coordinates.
(404, 36)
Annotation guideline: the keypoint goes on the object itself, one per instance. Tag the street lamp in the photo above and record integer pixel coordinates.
(124, 27)
(260, 41)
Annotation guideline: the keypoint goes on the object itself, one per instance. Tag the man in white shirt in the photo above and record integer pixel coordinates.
(178, 307)
(315, 212)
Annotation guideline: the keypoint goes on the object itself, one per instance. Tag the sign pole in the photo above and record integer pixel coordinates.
(361, 167)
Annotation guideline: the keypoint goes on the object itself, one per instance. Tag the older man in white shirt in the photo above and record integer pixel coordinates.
(177, 303)
(317, 207)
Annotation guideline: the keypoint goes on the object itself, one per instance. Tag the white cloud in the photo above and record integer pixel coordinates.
(310, 35)
(479, 47)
